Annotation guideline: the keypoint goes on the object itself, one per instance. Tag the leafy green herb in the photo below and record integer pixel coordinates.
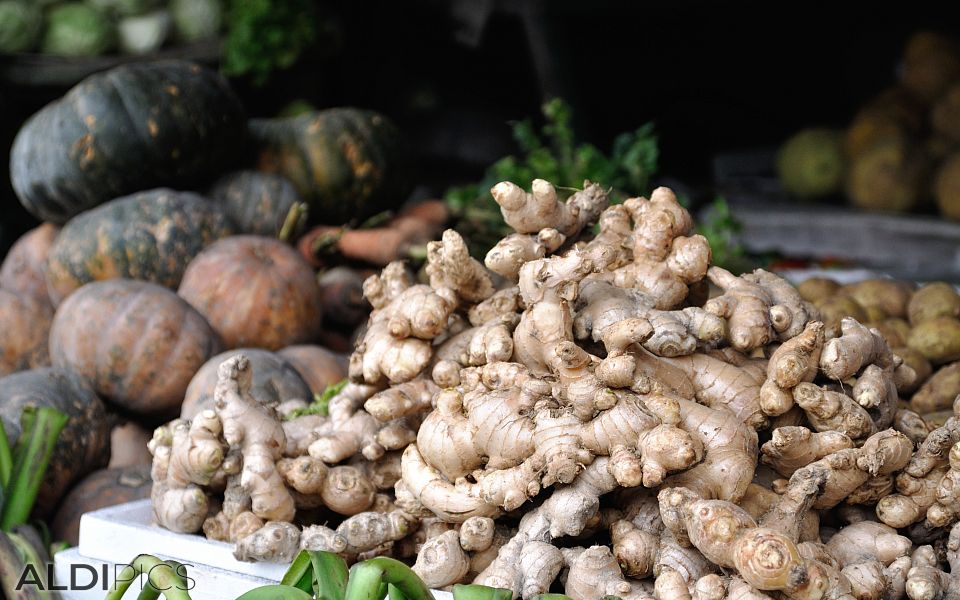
(321, 401)
(267, 35)
(722, 229)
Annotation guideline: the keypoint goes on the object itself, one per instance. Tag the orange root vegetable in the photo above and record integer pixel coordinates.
(379, 246)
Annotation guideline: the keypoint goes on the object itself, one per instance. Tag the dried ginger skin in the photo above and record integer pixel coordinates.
(441, 561)
(926, 580)
(828, 410)
(513, 251)
(412, 397)
(946, 510)
(438, 494)
(790, 313)
(548, 287)
(759, 307)
(594, 573)
(729, 537)
(868, 540)
(856, 347)
(730, 453)
(835, 476)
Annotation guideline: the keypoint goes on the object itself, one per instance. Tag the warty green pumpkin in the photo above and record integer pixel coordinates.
(134, 127)
(347, 163)
(258, 203)
(149, 236)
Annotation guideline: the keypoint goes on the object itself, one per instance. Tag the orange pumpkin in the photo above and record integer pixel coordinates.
(24, 269)
(138, 343)
(255, 292)
(24, 327)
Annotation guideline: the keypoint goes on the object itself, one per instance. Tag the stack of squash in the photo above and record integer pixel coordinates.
(159, 255)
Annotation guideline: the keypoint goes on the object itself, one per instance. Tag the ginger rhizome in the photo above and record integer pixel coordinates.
(582, 411)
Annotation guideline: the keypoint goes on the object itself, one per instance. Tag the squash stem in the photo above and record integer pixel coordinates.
(31, 456)
(294, 221)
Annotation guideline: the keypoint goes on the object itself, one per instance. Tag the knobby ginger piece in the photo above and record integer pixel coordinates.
(667, 259)
(759, 307)
(255, 431)
(186, 456)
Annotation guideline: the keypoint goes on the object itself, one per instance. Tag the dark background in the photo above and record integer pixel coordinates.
(713, 76)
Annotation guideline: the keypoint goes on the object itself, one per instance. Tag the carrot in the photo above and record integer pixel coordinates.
(379, 246)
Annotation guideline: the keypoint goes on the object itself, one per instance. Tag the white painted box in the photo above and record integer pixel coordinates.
(111, 537)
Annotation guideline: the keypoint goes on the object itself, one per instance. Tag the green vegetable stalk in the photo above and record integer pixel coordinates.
(169, 577)
(366, 579)
(28, 463)
(463, 591)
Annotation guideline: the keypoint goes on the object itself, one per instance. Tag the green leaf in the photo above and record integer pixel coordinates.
(721, 229)
(329, 575)
(394, 593)
(300, 573)
(276, 592)
(321, 401)
(266, 35)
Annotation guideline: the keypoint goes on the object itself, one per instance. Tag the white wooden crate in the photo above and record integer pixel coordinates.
(113, 536)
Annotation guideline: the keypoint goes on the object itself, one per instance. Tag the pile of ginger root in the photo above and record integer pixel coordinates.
(597, 410)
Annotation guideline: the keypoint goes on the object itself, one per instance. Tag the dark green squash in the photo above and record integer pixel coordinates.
(134, 127)
(256, 202)
(149, 236)
(84, 444)
(347, 163)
